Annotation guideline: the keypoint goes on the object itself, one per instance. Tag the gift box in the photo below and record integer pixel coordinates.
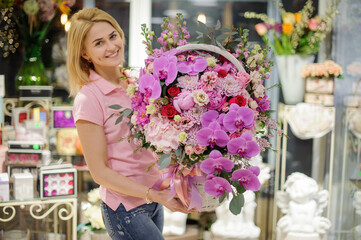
(4, 187)
(58, 181)
(323, 99)
(23, 186)
(320, 85)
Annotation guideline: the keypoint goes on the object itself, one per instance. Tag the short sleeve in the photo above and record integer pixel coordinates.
(87, 107)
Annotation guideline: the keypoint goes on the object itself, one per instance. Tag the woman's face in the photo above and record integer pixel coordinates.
(103, 46)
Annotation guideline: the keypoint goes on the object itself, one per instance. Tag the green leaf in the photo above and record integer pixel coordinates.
(119, 119)
(164, 161)
(127, 112)
(225, 29)
(221, 198)
(236, 204)
(178, 152)
(218, 25)
(115, 106)
(111, 115)
(221, 37)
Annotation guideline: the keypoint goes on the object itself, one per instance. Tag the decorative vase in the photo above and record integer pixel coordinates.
(289, 69)
(32, 70)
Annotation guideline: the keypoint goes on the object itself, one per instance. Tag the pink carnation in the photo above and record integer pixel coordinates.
(161, 134)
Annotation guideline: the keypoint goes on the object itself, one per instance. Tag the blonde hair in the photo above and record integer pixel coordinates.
(81, 22)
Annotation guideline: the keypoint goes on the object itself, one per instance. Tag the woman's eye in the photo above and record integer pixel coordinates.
(98, 43)
(113, 36)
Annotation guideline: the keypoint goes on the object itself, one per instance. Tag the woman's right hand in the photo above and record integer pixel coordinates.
(173, 204)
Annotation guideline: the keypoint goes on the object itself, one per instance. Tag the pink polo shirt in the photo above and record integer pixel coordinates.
(92, 104)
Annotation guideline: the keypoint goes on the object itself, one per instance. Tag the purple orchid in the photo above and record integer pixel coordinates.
(150, 84)
(192, 67)
(244, 146)
(216, 163)
(165, 67)
(212, 135)
(247, 178)
(217, 186)
(238, 118)
(209, 117)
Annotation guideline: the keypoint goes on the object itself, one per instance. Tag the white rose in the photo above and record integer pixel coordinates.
(200, 97)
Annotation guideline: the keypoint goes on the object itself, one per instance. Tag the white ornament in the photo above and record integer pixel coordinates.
(302, 203)
(174, 222)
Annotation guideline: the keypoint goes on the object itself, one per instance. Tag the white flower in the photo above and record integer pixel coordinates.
(94, 196)
(255, 77)
(131, 90)
(94, 215)
(200, 97)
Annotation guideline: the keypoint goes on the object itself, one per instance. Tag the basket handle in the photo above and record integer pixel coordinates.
(215, 49)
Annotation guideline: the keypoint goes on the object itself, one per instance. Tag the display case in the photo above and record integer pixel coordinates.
(306, 121)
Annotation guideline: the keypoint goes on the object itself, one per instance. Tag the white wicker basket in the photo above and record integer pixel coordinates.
(209, 202)
(215, 49)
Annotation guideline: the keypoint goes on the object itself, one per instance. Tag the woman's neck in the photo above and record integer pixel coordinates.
(113, 75)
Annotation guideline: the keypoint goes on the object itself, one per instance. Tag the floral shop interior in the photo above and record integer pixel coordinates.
(250, 110)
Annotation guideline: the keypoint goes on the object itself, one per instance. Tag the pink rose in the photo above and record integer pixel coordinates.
(313, 23)
(184, 101)
(188, 149)
(243, 78)
(198, 149)
(261, 29)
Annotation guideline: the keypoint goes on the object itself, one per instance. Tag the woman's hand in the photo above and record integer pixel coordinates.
(173, 204)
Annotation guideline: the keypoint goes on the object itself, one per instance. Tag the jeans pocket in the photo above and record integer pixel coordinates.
(106, 219)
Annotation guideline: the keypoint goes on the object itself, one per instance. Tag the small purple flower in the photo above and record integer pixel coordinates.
(216, 163)
(278, 27)
(217, 186)
(212, 136)
(244, 146)
(165, 67)
(137, 100)
(142, 117)
(238, 118)
(150, 84)
(192, 67)
(263, 104)
(247, 178)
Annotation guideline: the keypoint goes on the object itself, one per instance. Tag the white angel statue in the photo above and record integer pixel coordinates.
(302, 203)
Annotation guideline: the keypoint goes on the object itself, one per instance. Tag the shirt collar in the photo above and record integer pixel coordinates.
(104, 85)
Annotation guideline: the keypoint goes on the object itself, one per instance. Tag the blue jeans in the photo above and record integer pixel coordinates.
(141, 223)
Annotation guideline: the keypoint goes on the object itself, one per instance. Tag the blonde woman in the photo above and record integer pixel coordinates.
(131, 208)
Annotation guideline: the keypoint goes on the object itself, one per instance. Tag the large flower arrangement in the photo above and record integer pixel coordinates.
(297, 33)
(204, 118)
(327, 69)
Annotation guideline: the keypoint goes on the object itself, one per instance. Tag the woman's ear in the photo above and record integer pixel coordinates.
(86, 57)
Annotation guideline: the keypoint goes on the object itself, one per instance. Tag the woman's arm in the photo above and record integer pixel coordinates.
(94, 147)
